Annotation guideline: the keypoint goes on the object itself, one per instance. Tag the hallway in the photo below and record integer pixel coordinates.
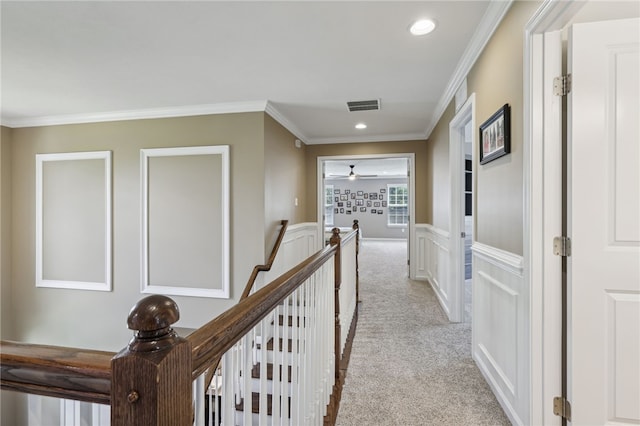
(409, 365)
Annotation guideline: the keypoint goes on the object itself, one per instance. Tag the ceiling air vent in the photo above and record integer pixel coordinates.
(372, 105)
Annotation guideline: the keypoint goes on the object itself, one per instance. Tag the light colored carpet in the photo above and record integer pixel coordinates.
(409, 365)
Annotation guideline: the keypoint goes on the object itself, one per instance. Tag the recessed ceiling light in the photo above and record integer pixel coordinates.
(422, 27)
(361, 126)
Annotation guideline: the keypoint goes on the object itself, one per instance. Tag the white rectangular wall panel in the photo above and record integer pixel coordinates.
(73, 220)
(185, 221)
(500, 327)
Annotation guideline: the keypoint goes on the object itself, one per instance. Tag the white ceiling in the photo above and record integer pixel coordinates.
(301, 61)
(370, 167)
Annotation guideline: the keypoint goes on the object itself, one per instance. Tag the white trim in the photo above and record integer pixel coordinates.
(500, 343)
(505, 260)
(541, 208)
(271, 109)
(466, 114)
(76, 285)
(437, 231)
(145, 285)
(139, 114)
(488, 24)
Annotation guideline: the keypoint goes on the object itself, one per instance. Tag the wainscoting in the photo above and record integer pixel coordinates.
(500, 342)
(299, 242)
(432, 257)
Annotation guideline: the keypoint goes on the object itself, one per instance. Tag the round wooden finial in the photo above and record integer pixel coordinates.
(355, 224)
(151, 319)
(335, 236)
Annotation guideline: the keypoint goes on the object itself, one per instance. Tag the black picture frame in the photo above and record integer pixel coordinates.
(495, 135)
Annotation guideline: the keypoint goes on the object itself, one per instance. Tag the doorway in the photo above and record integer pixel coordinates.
(378, 191)
(461, 160)
(468, 219)
(545, 36)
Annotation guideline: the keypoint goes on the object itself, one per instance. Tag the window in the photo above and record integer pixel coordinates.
(398, 197)
(328, 205)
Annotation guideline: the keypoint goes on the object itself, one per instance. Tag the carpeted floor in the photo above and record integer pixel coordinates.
(409, 365)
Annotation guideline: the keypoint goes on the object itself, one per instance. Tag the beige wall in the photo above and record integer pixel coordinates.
(97, 319)
(8, 400)
(496, 79)
(438, 184)
(419, 148)
(6, 316)
(284, 179)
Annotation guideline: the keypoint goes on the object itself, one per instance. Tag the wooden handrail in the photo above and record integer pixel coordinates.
(269, 264)
(61, 372)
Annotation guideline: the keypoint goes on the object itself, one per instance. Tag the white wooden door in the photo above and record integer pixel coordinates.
(603, 223)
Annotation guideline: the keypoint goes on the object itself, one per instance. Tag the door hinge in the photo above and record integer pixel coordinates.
(409, 262)
(562, 246)
(562, 407)
(463, 234)
(562, 85)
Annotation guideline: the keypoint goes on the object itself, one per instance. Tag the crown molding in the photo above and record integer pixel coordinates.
(488, 25)
(141, 114)
(285, 122)
(371, 138)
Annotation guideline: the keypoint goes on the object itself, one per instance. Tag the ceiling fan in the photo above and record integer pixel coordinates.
(352, 175)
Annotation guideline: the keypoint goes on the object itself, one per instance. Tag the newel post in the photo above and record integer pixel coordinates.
(335, 241)
(356, 227)
(151, 378)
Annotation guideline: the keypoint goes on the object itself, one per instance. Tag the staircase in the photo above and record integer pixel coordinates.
(275, 369)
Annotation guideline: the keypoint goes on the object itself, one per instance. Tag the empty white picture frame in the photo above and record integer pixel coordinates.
(73, 220)
(185, 221)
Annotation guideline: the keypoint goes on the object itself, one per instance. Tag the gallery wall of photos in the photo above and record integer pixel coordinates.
(347, 201)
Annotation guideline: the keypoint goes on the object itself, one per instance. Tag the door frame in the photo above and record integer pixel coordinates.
(456, 212)
(412, 195)
(542, 177)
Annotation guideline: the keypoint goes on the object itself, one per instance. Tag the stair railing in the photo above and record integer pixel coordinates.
(266, 267)
(152, 381)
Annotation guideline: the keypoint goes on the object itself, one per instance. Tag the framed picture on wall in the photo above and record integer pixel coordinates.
(343, 197)
(495, 135)
(341, 210)
(376, 204)
(360, 193)
(348, 203)
(368, 203)
(384, 204)
(353, 195)
(374, 211)
(348, 211)
(383, 190)
(379, 211)
(336, 191)
(363, 209)
(360, 202)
